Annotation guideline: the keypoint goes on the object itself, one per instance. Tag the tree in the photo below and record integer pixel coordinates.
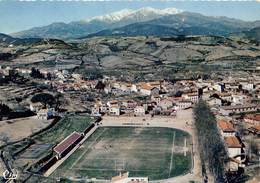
(4, 110)
(212, 149)
(44, 98)
(60, 101)
(35, 73)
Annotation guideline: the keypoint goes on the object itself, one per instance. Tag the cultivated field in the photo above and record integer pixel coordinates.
(158, 153)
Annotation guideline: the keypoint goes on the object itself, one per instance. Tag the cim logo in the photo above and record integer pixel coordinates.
(10, 174)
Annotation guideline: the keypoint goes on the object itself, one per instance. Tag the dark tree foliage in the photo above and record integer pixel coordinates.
(100, 85)
(212, 150)
(4, 110)
(36, 74)
(44, 98)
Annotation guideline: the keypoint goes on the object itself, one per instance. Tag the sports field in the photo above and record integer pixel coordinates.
(158, 153)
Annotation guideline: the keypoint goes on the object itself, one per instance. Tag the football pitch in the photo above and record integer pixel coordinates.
(158, 153)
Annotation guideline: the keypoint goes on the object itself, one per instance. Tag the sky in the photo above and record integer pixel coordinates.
(21, 15)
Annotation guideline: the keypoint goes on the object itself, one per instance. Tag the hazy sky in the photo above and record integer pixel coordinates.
(16, 16)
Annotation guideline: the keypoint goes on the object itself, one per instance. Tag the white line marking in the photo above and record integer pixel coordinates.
(173, 139)
(75, 162)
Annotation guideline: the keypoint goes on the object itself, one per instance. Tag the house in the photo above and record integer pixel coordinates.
(147, 89)
(227, 110)
(219, 87)
(247, 85)
(124, 178)
(226, 128)
(253, 119)
(95, 111)
(234, 147)
(239, 99)
(165, 104)
(191, 97)
(183, 104)
(65, 146)
(126, 87)
(214, 101)
(139, 111)
(226, 96)
(46, 114)
(254, 130)
(156, 98)
(35, 107)
(114, 110)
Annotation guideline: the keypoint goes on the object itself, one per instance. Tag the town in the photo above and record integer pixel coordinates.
(129, 91)
(44, 95)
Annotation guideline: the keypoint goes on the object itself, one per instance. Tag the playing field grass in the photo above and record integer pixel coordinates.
(158, 153)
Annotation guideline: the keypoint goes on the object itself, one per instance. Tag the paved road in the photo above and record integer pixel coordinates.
(182, 121)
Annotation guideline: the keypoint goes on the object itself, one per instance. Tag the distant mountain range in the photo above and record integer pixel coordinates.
(9, 40)
(145, 21)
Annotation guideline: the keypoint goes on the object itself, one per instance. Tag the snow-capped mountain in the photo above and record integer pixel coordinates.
(139, 15)
(144, 21)
(113, 17)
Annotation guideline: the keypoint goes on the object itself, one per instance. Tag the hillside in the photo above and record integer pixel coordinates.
(140, 56)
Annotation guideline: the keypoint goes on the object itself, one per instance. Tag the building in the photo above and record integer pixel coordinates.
(46, 114)
(219, 87)
(147, 89)
(226, 128)
(214, 101)
(226, 96)
(191, 97)
(183, 104)
(255, 130)
(124, 178)
(253, 119)
(35, 107)
(65, 146)
(114, 110)
(234, 147)
(165, 104)
(139, 111)
(227, 110)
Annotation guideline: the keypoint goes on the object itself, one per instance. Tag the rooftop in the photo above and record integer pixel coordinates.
(232, 142)
(255, 117)
(226, 126)
(68, 141)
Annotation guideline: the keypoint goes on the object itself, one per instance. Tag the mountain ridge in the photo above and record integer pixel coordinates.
(169, 18)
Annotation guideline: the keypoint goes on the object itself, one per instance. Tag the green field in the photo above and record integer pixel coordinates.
(63, 128)
(158, 153)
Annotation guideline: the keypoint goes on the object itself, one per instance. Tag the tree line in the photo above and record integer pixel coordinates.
(212, 150)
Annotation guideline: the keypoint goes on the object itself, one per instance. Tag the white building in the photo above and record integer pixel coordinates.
(183, 105)
(214, 102)
(46, 114)
(124, 178)
(114, 110)
(234, 147)
(35, 107)
(218, 87)
(191, 97)
(139, 111)
(226, 96)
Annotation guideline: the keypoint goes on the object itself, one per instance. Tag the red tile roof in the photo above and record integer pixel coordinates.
(67, 142)
(226, 126)
(232, 142)
(254, 117)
